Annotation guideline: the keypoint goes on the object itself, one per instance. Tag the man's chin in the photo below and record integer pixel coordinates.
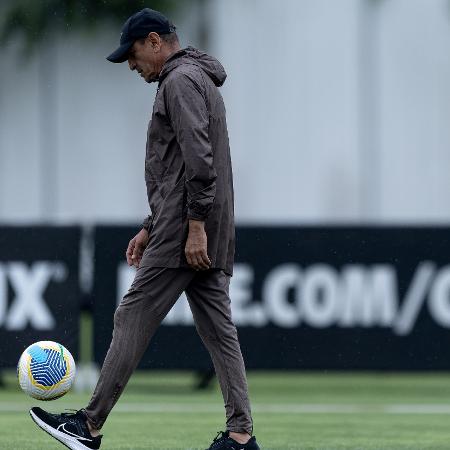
(151, 79)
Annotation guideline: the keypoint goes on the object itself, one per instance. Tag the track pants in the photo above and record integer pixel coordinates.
(153, 293)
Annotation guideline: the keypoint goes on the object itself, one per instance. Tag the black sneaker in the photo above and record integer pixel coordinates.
(68, 428)
(223, 442)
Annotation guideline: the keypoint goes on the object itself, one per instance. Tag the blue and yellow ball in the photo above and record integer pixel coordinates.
(46, 370)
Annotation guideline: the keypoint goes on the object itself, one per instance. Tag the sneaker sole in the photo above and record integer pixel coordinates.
(68, 441)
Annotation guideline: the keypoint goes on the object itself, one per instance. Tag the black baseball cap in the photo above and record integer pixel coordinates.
(138, 26)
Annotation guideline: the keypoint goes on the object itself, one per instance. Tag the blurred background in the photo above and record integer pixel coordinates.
(338, 115)
(337, 111)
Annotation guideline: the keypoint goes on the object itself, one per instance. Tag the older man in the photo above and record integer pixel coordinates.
(186, 244)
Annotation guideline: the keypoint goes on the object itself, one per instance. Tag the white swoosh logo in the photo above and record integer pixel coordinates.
(72, 434)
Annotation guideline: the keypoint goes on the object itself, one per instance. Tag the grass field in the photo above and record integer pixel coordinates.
(291, 411)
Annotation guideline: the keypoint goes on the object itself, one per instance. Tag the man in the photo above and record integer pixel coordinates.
(187, 244)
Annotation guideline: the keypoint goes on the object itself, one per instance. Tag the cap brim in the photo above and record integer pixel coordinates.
(120, 55)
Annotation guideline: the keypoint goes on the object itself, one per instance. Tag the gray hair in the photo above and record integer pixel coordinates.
(170, 38)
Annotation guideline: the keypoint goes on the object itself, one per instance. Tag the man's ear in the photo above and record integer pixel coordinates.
(155, 41)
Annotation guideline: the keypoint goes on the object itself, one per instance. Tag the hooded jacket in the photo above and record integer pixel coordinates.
(188, 166)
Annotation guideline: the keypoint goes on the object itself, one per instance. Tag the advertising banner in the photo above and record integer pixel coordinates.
(308, 298)
(39, 289)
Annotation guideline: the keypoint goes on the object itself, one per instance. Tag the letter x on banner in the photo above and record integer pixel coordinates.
(39, 288)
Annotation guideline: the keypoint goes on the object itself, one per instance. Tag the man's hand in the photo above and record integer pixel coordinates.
(196, 246)
(136, 248)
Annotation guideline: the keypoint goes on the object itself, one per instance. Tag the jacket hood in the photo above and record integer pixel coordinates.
(191, 55)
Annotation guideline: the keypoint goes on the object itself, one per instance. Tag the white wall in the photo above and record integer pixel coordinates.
(337, 111)
(292, 104)
(415, 110)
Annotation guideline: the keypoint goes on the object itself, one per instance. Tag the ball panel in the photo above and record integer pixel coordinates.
(49, 372)
(37, 353)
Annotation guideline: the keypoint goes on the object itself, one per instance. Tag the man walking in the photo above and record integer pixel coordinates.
(187, 244)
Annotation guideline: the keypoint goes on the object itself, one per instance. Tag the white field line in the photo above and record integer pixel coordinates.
(6, 407)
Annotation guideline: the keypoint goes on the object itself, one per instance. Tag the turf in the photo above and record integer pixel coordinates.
(307, 411)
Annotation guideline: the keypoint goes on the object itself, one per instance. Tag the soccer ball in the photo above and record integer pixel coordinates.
(46, 370)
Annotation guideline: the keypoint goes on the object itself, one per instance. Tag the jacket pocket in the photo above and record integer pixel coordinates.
(155, 169)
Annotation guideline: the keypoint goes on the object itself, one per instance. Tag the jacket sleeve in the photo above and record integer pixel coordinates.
(189, 118)
(146, 223)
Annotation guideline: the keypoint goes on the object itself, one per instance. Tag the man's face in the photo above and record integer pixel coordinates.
(144, 57)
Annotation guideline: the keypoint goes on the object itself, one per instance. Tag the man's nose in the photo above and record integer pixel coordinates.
(131, 64)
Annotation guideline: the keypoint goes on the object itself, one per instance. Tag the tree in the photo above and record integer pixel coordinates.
(38, 19)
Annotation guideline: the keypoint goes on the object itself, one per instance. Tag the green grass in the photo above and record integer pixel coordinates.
(307, 411)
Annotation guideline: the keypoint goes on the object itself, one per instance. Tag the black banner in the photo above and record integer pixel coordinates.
(39, 289)
(308, 298)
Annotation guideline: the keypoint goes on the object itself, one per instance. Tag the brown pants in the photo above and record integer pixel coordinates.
(153, 293)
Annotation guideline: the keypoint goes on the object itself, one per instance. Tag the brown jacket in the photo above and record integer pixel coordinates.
(188, 166)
